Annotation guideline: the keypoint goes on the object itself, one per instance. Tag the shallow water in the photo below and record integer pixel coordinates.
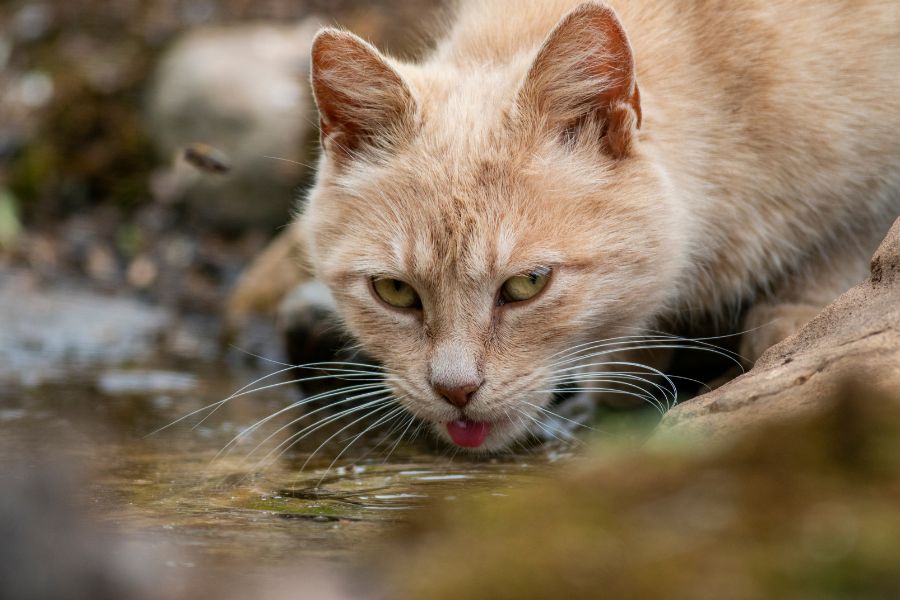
(174, 489)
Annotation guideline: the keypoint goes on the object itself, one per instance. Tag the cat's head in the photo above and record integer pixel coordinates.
(474, 221)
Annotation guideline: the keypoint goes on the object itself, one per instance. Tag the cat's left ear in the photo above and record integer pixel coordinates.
(585, 69)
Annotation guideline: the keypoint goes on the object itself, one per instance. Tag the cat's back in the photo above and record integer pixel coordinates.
(496, 31)
(742, 67)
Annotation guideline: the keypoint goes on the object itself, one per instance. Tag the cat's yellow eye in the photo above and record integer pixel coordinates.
(396, 293)
(524, 287)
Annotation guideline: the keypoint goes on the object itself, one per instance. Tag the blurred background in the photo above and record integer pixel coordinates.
(98, 101)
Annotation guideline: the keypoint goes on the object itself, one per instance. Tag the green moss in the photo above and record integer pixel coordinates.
(10, 227)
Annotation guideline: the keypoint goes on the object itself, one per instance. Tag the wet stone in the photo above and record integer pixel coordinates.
(47, 332)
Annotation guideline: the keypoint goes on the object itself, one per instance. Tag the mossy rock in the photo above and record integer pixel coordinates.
(804, 508)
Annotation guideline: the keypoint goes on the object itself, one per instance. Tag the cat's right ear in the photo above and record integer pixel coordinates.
(584, 73)
(363, 102)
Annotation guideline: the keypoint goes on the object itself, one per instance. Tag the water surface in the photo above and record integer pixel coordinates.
(176, 488)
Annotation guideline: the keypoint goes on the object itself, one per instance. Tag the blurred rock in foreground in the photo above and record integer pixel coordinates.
(803, 508)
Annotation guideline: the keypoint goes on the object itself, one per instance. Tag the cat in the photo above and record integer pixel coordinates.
(557, 179)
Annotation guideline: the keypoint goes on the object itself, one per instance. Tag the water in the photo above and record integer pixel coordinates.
(174, 490)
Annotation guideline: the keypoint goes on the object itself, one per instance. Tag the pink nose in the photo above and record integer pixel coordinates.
(458, 396)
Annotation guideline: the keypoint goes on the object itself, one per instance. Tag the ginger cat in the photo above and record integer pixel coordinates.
(557, 173)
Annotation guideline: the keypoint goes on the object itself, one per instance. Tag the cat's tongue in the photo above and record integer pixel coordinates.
(468, 434)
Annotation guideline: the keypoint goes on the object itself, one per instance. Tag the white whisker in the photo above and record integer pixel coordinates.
(544, 427)
(398, 410)
(374, 411)
(297, 436)
(371, 390)
(411, 420)
(559, 416)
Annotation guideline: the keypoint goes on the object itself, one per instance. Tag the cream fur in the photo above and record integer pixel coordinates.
(767, 155)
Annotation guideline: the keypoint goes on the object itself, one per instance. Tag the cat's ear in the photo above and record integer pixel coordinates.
(363, 102)
(584, 70)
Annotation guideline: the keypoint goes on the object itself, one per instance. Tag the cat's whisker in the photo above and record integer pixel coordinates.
(706, 339)
(295, 438)
(397, 412)
(216, 404)
(643, 397)
(643, 342)
(290, 161)
(603, 342)
(574, 377)
(305, 416)
(622, 375)
(374, 411)
(546, 428)
(360, 377)
(647, 368)
(384, 439)
(245, 391)
(537, 422)
(586, 351)
(336, 365)
(524, 426)
(659, 332)
(671, 389)
(375, 388)
(409, 423)
(417, 431)
(559, 416)
(348, 377)
(619, 378)
(625, 341)
(650, 346)
(307, 365)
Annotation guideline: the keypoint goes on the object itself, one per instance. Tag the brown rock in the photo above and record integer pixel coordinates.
(858, 336)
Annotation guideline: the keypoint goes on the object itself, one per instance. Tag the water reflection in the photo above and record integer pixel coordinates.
(229, 507)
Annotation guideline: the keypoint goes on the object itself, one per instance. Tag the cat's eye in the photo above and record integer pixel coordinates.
(524, 287)
(396, 293)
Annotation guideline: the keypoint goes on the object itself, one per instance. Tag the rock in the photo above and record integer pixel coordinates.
(242, 90)
(857, 335)
(143, 381)
(46, 333)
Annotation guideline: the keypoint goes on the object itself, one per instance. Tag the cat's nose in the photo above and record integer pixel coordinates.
(458, 395)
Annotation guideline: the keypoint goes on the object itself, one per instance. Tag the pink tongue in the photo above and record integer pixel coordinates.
(468, 434)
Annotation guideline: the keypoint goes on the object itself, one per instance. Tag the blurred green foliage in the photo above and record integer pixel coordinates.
(10, 226)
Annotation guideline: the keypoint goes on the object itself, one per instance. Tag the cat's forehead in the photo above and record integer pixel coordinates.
(462, 109)
(451, 219)
(458, 228)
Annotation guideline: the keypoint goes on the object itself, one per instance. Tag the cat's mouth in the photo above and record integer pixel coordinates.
(468, 434)
(491, 435)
